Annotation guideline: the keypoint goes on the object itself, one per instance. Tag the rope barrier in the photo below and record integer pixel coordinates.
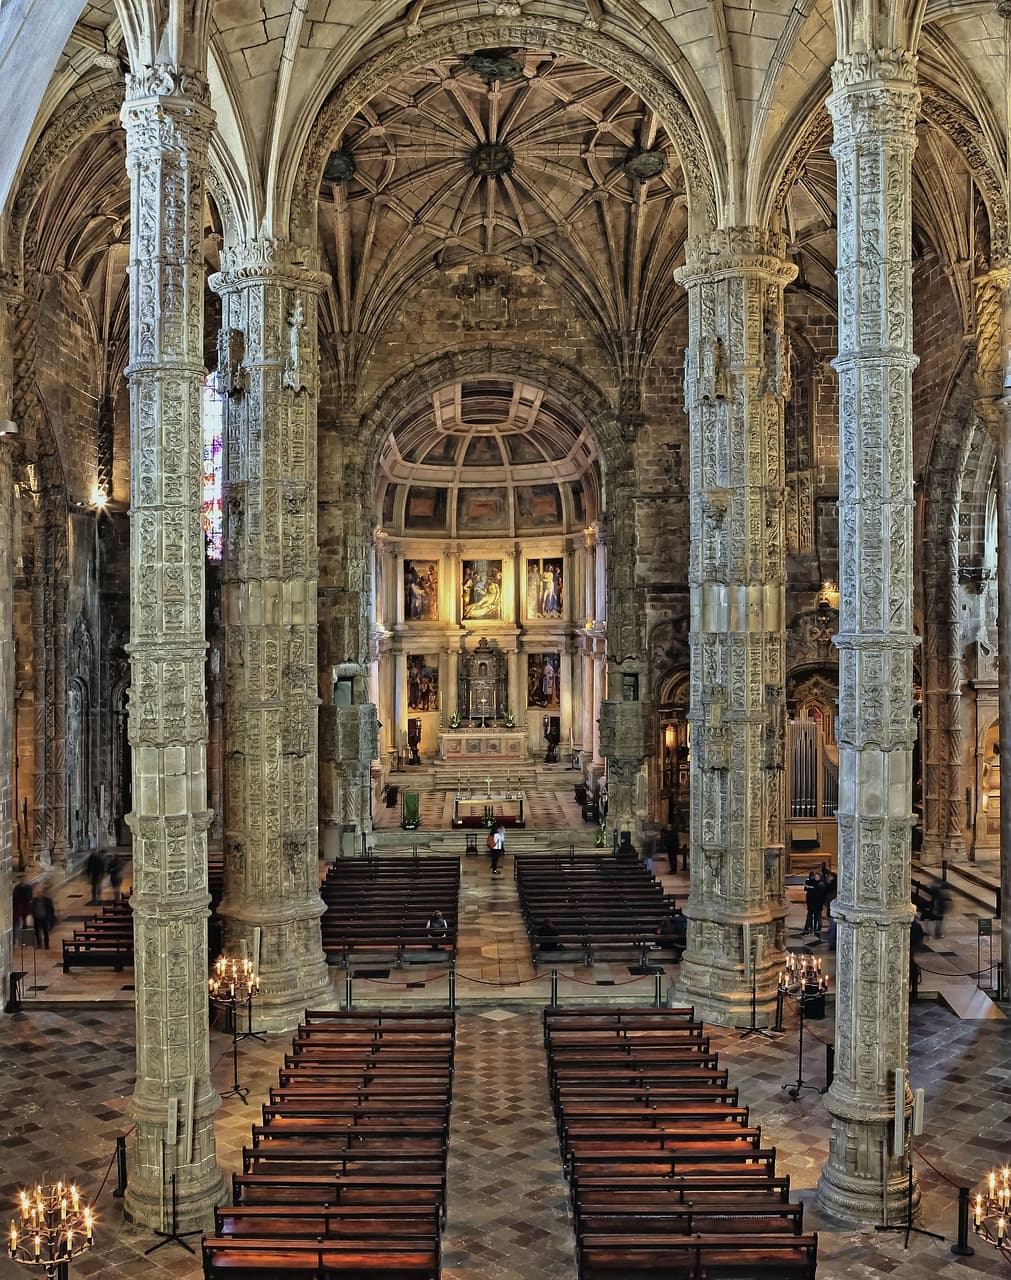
(943, 1176)
(108, 1167)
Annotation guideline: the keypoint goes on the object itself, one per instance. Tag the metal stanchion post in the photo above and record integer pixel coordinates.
(120, 1189)
(658, 990)
(452, 988)
(348, 996)
(962, 1247)
(829, 1067)
(554, 988)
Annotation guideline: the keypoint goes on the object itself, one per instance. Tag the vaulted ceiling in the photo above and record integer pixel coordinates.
(516, 152)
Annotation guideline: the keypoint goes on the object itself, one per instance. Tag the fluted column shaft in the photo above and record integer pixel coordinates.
(736, 384)
(993, 408)
(168, 123)
(873, 106)
(268, 366)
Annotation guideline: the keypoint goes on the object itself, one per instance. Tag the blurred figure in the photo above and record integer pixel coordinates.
(43, 916)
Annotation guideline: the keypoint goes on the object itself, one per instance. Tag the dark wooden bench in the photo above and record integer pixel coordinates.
(686, 1188)
(751, 1216)
(330, 1222)
(248, 1256)
(745, 1257)
(421, 1189)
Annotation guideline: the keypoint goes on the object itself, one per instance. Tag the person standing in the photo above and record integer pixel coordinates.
(43, 917)
(22, 902)
(96, 874)
(497, 848)
(814, 897)
(116, 876)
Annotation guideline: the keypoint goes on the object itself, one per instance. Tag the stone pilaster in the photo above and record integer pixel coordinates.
(873, 105)
(736, 384)
(268, 366)
(7, 816)
(993, 408)
(168, 123)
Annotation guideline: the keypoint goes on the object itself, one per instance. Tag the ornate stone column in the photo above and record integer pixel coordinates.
(873, 105)
(993, 407)
(6, 643)
(168, 123)
(268, 367)
(736, 385)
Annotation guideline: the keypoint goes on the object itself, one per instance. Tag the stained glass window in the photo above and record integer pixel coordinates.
(213, 424)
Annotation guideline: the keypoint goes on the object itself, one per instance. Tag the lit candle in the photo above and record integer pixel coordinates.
(14, 1240)
(75, 1197)
(24, 1206)
(978, 1211)
(38, 1247)
(63, 1209)
(1001, 1230)
(70, 1242)
(992, 1181)
(88, 1225)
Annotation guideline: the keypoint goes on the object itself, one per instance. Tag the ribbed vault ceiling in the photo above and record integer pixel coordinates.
(516, 152)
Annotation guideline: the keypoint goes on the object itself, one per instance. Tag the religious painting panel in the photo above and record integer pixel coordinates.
(422, 682)
(421, 590)
(538, 506)
(426, 508)
(544, 588)
(482, 510)
(481, 590)
(544, 679)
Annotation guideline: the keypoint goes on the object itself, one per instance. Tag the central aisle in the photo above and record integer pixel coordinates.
(508, 1217)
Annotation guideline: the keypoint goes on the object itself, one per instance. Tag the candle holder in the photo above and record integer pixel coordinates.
(54, 1227)
(991, 1210)
(236, 983)
(803, 982)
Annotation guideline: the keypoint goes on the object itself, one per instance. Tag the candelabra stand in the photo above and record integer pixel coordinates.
(54, 1229)
(991, 1211)
(235, 983)
(804, 983)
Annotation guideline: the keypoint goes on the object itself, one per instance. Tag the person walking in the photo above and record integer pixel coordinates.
(116, 876)
(43, 916)
(96, 874)
(497, 849)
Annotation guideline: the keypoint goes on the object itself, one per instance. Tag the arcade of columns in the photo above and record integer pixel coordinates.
(735, 387)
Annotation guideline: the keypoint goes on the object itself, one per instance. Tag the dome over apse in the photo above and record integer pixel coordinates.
(492, 457)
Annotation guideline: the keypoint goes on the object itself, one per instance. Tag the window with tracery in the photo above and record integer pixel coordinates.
(212, 415)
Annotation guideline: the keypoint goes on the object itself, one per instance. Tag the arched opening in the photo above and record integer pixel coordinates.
(485, 580)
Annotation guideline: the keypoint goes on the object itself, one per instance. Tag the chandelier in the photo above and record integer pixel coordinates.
(54, 1228)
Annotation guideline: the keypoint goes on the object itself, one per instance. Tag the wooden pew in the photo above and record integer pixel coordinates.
(759, 1257)
(241, 1257)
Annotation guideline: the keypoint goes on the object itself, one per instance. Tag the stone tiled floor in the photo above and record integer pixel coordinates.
(67, 1064)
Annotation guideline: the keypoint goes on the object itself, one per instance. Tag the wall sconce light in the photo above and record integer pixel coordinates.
(99, 498)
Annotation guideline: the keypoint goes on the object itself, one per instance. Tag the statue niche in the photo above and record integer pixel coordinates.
(484, 684)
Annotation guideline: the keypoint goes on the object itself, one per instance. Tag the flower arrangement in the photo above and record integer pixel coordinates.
(454, 720)
(508, 719)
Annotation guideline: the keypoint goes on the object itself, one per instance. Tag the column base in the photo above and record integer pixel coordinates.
(279, 1010)
(294, 975)
(700, 986)
(196, 1200)
(200, 1185)
(851, 1190)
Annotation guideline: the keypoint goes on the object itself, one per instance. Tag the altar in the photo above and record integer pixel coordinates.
(478, 746)
(483, 811)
